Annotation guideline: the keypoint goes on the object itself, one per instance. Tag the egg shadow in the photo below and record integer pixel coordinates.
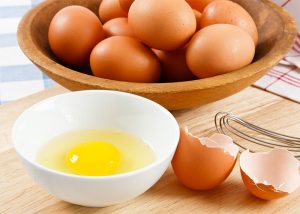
(82, 209)
(231, 195)
(227, 194)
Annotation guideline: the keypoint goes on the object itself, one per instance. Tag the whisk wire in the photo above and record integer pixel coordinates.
(262, 142)
(252, 133)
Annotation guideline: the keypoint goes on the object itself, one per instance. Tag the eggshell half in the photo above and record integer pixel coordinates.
(270, 175)
(203, 163)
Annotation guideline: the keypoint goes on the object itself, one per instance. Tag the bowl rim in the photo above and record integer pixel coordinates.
(156, 163)
(267, 62)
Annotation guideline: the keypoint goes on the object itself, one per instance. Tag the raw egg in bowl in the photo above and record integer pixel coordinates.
(63, 140)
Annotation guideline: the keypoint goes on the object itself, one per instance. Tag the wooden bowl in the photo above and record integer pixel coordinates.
(276, 30)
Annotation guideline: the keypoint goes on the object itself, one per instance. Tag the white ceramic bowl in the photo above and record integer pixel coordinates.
(96, 109)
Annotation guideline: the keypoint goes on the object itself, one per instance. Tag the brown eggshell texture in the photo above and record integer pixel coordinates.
(125, 59)
(174, 67)
(228, 12)
(199, 4)
(219, 49)
(198, 19)
(125, 4)
(66, 32)
(270, 175)
(203, 163)
(118, 27)
(110, 9)
(162, 24)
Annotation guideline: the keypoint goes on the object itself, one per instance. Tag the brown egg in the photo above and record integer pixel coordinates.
(198, 18)
(270, 175)
(117, 27)
(228, 12)
(66, 32)
(174, 68)
(199, 4)
(203, 163)
(110, 9)
(125, 59)
(162, 24)
(219, 49)
(125, 4)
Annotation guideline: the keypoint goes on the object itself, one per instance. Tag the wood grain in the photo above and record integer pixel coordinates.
(20, 195)
(276, 30)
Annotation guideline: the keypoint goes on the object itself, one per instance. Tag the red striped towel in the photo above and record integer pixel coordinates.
(284, 79)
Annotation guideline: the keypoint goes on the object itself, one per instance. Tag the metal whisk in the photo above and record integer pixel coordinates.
(234, 126)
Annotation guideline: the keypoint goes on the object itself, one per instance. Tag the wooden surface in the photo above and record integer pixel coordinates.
(276, 31)
(20, 195)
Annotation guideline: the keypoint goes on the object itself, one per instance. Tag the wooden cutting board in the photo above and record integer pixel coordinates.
(19, 193)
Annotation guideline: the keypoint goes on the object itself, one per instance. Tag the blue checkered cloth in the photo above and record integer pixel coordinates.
(18, 76)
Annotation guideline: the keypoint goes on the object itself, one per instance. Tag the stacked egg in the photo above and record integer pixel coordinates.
(155, 40)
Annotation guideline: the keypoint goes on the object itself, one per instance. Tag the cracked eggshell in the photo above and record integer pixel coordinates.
(204, 163)
(270, 175)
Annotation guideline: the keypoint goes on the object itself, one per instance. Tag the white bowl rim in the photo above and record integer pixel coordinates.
(109, 177)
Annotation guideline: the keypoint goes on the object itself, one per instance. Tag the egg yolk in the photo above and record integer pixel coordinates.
(93, 159)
